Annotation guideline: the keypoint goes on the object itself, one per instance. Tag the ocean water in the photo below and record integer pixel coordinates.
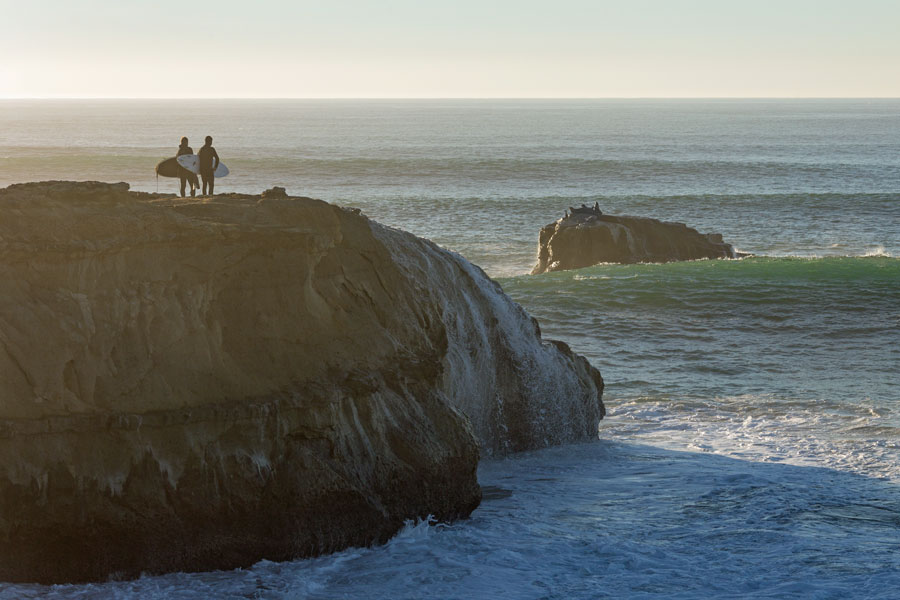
(752, 444)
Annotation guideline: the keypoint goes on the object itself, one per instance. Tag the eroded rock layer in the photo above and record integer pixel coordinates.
(584, 239)
(200, 384)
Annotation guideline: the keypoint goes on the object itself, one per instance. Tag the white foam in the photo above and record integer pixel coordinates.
(488, 333)
(764, 428)
(878, 251)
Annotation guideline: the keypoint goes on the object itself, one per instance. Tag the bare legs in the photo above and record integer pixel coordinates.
(208, 180)
(194, 183)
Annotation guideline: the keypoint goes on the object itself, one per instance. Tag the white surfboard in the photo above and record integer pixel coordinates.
(191, 162)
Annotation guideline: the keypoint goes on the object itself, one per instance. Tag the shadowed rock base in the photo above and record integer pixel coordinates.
(256, 480)
(201, 384)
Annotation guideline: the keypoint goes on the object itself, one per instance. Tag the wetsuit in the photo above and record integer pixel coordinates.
(184, 175)
(209, 160)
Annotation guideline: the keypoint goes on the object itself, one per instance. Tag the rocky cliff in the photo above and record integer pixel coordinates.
(200, 384)
(587, 237)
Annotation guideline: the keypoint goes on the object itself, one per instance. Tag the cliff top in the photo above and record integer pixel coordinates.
(119, 300)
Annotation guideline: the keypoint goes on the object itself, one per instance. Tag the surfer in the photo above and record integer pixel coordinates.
(208, 168)
(183, 173)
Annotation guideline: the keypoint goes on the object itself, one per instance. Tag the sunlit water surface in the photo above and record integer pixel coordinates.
(752, 445)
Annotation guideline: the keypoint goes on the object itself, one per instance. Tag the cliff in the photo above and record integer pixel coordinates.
(200, 384)
(587, 237)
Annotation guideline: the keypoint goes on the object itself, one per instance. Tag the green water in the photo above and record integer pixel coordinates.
(807, 329)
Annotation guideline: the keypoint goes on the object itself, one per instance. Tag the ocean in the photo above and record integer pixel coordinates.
(752, 443)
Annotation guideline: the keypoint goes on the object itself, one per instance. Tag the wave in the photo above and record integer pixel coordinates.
(798, 267)
(874, 252)
(814, 327)
(857, 437)
(878, 251)
(760, 292)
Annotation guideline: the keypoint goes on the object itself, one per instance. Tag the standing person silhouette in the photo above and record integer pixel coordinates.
(209, 161)
(183, 173)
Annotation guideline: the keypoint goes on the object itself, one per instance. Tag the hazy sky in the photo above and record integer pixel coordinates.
(453, 48)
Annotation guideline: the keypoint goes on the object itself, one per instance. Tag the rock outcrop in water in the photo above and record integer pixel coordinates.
(587, 237)
(200, 384)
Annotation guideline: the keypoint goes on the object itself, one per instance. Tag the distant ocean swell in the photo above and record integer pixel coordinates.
(462, 170)
(464, 162)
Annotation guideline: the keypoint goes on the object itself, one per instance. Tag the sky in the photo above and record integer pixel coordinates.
(449, 49)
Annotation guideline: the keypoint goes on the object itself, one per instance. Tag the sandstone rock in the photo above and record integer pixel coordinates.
(195, 384)
(586, 237)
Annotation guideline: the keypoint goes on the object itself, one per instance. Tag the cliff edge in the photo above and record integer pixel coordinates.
(201, 384)
(587, 237)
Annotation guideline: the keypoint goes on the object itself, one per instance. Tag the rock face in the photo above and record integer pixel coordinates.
(587, 237)
(200, 384)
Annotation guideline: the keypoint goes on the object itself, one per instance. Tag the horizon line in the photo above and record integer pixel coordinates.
(449, 98)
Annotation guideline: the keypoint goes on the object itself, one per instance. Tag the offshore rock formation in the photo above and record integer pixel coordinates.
(199, 384)
(587, 237)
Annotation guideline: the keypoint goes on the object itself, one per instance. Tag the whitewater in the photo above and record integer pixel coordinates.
(752, 443)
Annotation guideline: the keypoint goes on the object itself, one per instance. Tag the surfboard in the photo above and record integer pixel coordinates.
(169, 168)
(191, 162)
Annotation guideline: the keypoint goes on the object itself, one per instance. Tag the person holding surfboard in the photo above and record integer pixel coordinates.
(209, 162)
(183, 173)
